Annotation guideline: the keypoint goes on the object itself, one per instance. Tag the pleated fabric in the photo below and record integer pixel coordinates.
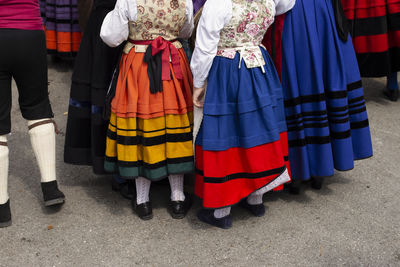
(60, 20)
(375, 29)
(325, 109)
(242, 144)
(85, 140)
(150, 135)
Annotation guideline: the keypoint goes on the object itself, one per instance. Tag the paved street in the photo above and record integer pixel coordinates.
(353, 221)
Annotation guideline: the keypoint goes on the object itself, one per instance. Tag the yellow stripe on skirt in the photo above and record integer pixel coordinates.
(150, 148)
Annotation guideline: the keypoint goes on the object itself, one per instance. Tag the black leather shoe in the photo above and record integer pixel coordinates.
(5, 215)
(179, 209)
(393, 95)
(51, 194)
(257, 210)
(207, 216)
(293, 187)
(144, 211)
(316, 182)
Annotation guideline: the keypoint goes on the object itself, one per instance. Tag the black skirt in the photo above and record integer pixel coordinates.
(94, 66)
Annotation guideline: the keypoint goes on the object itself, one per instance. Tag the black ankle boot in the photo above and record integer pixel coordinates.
(316, 182)
(51, 194)
(293, 187)
(5, 214)
(257, 210)
(393, 95)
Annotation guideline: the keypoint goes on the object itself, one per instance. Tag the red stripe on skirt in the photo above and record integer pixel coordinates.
(362, 11)
(229, 193)
(377, 43)
(221, 164)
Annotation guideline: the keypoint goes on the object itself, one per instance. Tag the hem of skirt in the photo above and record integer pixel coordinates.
(327, 176)
(77, 156)
(236, 203)
(153, 180)
(366, 157)
(114, 168)
(5, 132)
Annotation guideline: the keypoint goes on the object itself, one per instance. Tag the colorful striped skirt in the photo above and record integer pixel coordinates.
(241, 145)
(375, 28)
(60, 20)
(150, 134)
(325, 109)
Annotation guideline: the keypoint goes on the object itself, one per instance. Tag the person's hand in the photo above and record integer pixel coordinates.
(198, 96)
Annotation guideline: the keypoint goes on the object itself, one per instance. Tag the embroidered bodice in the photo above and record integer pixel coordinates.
(246, 30)
(249, 23)
(144, 20)
(229, 27)
(155, 18)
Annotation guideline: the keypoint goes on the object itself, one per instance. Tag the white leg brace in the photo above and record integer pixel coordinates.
(142, 190)
(176, 183)
(3, 169)
(43, 140)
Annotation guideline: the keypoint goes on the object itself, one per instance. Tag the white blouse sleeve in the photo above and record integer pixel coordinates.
(115, 27)
(283, 6)
(187, 29)
(216, 14)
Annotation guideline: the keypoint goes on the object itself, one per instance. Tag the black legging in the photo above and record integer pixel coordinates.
(23, 57)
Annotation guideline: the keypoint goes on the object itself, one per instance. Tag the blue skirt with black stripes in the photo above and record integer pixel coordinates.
(325, 109)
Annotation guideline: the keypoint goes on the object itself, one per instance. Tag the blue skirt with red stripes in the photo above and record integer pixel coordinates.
(242, 143)
(325, 109)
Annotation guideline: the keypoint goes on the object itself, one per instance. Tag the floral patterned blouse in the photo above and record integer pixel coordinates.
(228, 27)
(146, 20)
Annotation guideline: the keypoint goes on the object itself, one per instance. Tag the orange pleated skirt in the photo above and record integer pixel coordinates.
(150, 134)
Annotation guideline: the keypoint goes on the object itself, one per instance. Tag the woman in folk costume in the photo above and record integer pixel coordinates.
(324, 101)
(94, 66)
(150, 132)
(20, 24)
(241, 146)
(375, 29)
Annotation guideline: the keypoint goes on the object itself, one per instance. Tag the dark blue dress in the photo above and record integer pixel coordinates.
(324, 101)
